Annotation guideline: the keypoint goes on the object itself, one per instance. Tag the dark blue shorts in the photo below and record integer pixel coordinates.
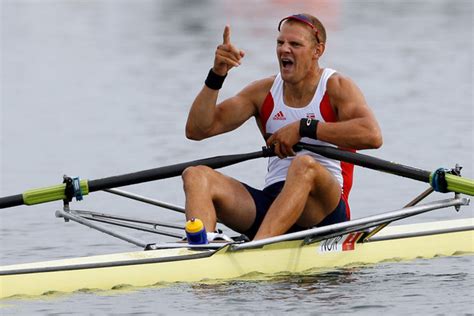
(263, 199)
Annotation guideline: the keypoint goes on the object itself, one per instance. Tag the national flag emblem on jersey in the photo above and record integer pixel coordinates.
(279, 116)
(310, 116)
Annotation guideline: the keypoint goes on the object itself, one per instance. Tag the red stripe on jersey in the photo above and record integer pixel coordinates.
(327, 112)
(266, 110)
(326, 109)
(347, 180)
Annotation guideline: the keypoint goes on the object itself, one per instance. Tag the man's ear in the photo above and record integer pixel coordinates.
(319, 50)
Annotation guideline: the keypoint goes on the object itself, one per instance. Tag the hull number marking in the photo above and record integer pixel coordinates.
(339, 243)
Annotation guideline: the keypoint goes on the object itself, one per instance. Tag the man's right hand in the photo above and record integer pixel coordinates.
(227, 55)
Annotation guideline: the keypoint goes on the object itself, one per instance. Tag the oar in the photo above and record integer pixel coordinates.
(58, 192)
(440, 180)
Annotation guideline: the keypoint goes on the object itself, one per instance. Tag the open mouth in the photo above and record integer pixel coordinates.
(286, 63)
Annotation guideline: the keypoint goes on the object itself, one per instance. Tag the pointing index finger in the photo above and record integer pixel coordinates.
(226, 35)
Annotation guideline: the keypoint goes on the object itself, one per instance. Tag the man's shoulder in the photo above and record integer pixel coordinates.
(338, 81)
(343, 90)
(337, 77)
(264, 84)
(258, 90)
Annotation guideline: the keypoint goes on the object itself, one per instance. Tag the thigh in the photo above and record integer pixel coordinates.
(234, 205)
(322, 200)
(263, 199)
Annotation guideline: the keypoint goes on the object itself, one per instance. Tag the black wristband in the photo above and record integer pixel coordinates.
(308, 127)
(214, 81)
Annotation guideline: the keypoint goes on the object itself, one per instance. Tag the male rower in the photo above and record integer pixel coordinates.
(304, 102)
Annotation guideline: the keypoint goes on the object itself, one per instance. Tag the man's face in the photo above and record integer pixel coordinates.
(295, 51)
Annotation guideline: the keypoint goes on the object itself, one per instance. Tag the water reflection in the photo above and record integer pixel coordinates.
(283, 285)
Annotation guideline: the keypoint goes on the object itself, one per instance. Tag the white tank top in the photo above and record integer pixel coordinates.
(275, 114)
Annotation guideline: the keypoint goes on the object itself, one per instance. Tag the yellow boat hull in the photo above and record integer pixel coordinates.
(145, 268)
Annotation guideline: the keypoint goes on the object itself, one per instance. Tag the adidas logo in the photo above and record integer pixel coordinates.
(279, 116)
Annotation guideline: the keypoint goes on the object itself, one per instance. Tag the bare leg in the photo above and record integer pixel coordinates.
(211, 195)
(310, 193)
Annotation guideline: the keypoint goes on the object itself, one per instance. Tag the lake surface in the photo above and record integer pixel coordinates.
(101, 88)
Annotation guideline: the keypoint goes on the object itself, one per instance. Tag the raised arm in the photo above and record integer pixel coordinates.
(207, 118)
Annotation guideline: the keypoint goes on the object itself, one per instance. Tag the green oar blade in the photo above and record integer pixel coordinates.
(459, 184)
(52, 193)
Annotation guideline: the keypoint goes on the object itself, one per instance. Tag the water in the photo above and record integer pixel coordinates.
(103, 88)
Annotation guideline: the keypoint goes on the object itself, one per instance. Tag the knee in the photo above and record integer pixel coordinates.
(196, 176)
(304, 167)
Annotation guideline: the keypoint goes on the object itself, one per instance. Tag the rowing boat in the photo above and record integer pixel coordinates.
(358, 242)
(184, 264)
